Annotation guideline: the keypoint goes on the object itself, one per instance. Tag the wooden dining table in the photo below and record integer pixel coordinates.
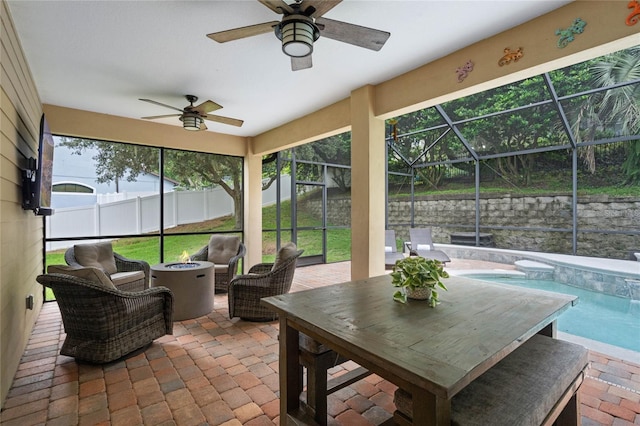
(432, 353)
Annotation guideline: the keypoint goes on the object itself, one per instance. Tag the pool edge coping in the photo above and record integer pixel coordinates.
(614, 277)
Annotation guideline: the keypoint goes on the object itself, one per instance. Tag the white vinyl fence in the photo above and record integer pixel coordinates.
(140, 215)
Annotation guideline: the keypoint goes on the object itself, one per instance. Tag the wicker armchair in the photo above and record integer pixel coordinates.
(103, 324)
(263, 280)
(122, 271)
(224, 251)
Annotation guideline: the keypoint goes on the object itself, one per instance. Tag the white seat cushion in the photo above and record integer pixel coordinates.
(120, 278)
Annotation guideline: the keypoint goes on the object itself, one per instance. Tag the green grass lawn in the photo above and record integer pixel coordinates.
(148, 248)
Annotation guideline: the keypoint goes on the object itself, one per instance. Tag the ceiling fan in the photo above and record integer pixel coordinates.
(301, 25)
(193, 117)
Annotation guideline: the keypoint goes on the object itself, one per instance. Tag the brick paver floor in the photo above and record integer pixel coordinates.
(218, 371)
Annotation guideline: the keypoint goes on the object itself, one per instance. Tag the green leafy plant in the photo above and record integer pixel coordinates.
(416, 272)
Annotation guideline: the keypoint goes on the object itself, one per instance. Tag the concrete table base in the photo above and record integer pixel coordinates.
(192, 284)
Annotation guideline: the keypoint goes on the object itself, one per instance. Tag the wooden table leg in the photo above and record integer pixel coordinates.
(551, 330)
(317, 385)
(290, 373)
(429, 409)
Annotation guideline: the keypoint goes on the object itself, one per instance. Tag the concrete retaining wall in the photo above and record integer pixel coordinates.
(446, 214)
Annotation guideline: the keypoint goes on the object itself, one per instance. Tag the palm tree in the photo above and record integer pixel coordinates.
(613, 109)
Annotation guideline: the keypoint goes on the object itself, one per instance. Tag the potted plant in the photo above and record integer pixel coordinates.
(418, 278)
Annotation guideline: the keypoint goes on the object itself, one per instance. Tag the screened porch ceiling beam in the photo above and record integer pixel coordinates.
(560, 109)
(424, 153)
(399, 154)
(600, 89)
(456, 131)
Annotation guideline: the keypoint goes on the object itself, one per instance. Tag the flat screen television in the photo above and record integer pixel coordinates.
(38, 178)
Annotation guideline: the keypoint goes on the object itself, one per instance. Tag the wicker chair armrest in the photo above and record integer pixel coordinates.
(254, 288)
(268, 275)
(261, 268)
(167, 296)
(126, 264)
(253, 280)
(202, 255)
(233, 262)
(138, 302)
(70, 258)
(146, 292)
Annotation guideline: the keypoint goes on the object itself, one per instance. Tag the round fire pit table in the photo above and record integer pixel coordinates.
(192, 284)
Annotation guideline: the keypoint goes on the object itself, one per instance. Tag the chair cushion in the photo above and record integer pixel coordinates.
(286, 251)
(120, 278)
(222, 248)
(98, 255)
(424, 247)
(95, 275)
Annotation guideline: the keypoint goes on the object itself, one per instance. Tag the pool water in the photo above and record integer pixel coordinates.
(597, 316)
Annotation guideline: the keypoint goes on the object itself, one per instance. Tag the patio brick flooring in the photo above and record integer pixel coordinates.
(216, 371)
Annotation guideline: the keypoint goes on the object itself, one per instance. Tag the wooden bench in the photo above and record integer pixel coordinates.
(537, 384)
(317, 359)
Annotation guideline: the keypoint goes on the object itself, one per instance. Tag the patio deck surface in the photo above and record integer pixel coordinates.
(217, 371)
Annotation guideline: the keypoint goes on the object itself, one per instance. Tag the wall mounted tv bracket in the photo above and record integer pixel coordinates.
(29, 185)
(30, 194)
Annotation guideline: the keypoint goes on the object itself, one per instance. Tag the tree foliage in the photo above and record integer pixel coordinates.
(615, 111)
(519, 118)
(334, 150)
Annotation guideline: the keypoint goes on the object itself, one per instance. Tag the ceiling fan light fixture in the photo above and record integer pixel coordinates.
(191, 122)
(297, 32)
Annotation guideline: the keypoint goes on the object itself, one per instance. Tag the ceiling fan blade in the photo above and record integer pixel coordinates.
(153, 117)
(223, 120)
(278, 6)
(368, 38)
(202, 125)
(161, 104)
(321, 6)
(243, 32)
(301, 63)
(206, 107)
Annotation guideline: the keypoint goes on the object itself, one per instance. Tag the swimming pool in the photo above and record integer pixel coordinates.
(597, 316)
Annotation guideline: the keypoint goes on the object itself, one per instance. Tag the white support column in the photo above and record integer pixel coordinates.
(367, 186)
(252, 207)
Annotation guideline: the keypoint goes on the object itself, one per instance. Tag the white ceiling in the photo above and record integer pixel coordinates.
(103, 56)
